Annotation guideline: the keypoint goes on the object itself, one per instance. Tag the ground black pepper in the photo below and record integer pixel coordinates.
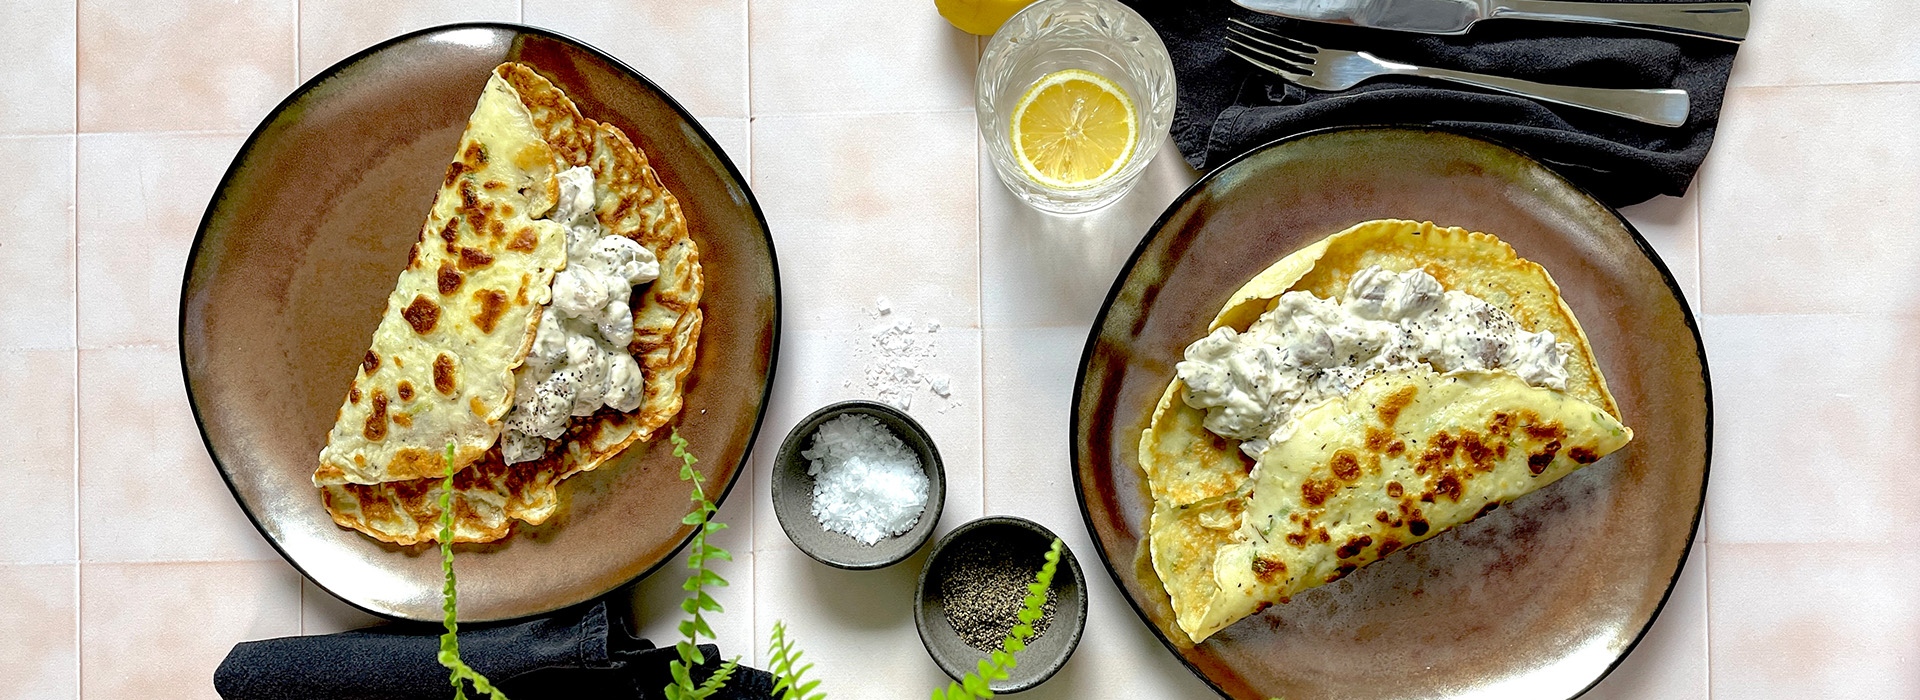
(983, 585)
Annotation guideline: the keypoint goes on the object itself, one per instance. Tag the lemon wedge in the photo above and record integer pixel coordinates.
(982, 17)
(1073, 129)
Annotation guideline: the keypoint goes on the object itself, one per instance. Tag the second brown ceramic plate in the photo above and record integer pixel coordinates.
(1537, 600)
(290, 275)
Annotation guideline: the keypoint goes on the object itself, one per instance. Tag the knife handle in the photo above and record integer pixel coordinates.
(1726, 21)
(1665, 107)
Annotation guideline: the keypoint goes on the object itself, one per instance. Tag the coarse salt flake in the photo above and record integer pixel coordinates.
(867, 484)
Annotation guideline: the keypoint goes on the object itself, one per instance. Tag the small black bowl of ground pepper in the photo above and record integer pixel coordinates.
(971, 590)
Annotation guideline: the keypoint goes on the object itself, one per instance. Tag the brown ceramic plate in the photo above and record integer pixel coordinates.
(1537, 600)
(298, 252)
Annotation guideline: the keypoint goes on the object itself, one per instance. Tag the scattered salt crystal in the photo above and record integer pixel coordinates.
(867, 484)
(940, 384)
(898, 353)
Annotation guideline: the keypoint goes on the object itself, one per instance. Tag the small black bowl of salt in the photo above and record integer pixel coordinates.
(858, 485)
(973, 587)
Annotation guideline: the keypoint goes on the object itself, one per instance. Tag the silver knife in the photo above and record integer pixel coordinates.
(1725, 21)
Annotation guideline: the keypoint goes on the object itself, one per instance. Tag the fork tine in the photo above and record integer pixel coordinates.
(1283, 71)
(1298, 64)
(1272, 38)
(1249, 41)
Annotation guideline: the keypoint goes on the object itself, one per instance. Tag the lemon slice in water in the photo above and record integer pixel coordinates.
(1073, 129)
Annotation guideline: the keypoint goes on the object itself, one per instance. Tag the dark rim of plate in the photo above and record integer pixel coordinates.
(1070, 566)
(1153, 232)
(206, 218)
(936, 471)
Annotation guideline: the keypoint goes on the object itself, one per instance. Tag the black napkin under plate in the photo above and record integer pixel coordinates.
(588, 651)
(1227, 106)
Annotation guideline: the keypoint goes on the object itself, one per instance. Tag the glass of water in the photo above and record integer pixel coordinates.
(1055, 44)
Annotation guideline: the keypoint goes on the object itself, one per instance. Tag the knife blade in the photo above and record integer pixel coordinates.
(1724, 21)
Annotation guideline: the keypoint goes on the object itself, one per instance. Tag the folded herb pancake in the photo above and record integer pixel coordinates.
(1365, 393)
(464, 312)
(604, 363)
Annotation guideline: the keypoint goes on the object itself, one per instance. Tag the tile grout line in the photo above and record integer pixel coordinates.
(747, 33)
(27, 136)
(79, 565)
(1700, 245)
(1791, 86)
(1706, 539)
(979, 292)
(1706, 596)
(165, 132)
(869, 113)
(296, 43)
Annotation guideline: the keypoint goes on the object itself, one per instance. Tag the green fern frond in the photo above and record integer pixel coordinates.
(1000, 664)
(698, 601)
(719, 679)
(457, 670)
(789, 683)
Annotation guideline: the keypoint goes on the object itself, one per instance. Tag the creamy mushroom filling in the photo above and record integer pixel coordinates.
(579, 361)
(1307, 350)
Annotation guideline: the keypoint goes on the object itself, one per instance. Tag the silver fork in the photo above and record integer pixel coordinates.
(1333, 70)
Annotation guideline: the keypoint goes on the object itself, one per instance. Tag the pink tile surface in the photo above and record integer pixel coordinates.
(1815, 421)
(1810, 42)
(37, 425)
(696, 51)
(1809, 200)
(159, 630)
(837, 365)
(331, 30)
(837, 190)
(1813, 621)
(1028, 380)
(217, 65)
(1043, 270)
(148, 491)
(141, 199)
(853, 120)
(40, 621)
(841, 56)
(37, 244)
(36, 47)
(856, 627)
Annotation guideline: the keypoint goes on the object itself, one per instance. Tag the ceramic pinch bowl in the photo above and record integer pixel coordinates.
(793, 491)
(1012, 538)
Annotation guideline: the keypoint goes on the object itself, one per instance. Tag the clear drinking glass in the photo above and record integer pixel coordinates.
(1100, 36)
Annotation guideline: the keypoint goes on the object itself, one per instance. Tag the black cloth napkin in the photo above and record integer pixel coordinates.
(1227, 106)
(588, 651)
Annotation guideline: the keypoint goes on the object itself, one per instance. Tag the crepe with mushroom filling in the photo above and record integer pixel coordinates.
(1185, 463)
(1395, 370)
(622, 227)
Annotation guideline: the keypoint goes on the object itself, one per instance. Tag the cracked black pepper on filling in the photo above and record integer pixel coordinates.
(983, 585)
